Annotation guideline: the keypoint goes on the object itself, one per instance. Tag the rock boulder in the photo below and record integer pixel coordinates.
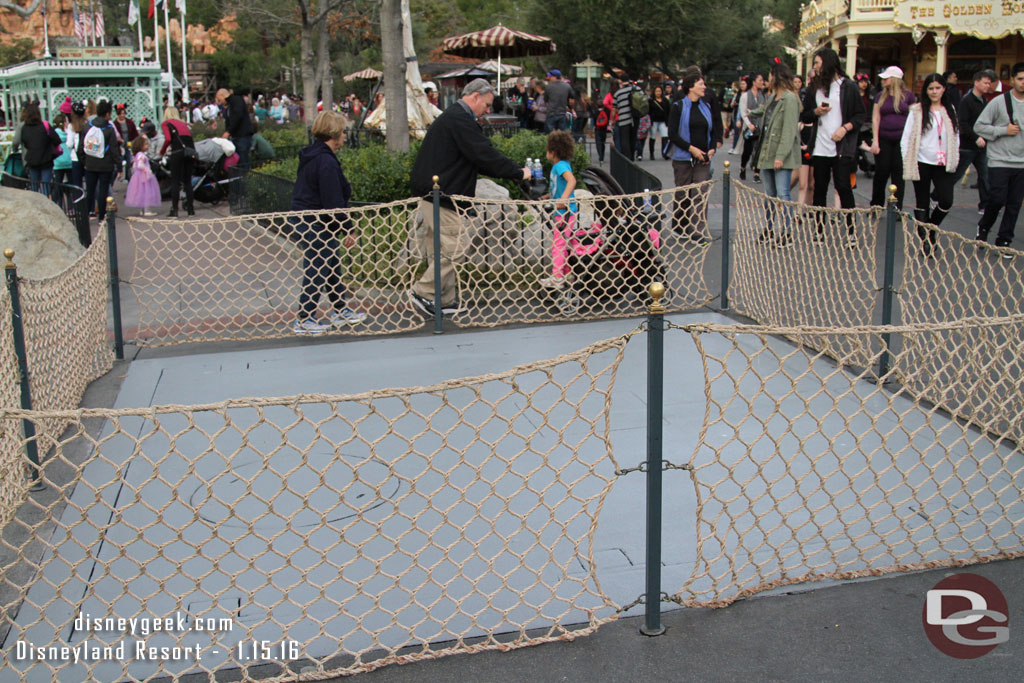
(43, 239)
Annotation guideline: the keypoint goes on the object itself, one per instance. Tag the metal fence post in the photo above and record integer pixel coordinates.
(888, 290)
(726, 183)
(655, 393)
(31, 447)
(115, 284)
(437, 257)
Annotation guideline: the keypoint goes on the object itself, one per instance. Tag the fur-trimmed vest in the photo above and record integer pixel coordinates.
(911, 144)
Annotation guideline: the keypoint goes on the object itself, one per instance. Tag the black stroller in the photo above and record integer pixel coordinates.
(612, 248)
(210, 179)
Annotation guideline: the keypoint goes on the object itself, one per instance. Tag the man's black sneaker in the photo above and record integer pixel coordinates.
(421, 304)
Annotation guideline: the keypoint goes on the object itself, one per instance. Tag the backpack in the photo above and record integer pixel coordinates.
(94, 143)
(639, 101)
(1009, 106)
(57, 150)
(602, 119)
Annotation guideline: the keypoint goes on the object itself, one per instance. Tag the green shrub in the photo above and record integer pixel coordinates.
(527, 143)
(378, 175)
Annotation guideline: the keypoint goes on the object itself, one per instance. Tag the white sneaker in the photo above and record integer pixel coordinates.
(733, 151)
(552, 282)
(346, 316)
(851, 242)
(309, 326)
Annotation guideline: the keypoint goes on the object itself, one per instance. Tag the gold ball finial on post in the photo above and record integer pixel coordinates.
(437, 180)
(9, 255)
(111, 204)
(892, 193)
(657, 292)
(727, 165)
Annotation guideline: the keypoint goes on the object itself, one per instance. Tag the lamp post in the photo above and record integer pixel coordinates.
(588, 69)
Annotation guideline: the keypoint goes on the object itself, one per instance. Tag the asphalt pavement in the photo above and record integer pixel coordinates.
(853, 631)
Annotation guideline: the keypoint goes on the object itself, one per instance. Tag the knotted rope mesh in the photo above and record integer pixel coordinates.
(384, 527)
(808, 470)
(970, 371)
(64, 319)
(242, 277)
(523, 261)
(798, 265)
(12, 456)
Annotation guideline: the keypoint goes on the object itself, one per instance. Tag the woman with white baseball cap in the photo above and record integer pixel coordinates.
(887, 121)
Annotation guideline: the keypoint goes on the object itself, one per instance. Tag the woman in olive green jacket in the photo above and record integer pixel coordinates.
(779, 153)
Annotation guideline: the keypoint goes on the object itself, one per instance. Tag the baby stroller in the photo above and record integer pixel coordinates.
(211, 178)
(613, 251)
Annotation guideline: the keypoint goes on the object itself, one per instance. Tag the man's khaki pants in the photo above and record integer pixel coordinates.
(451, 226)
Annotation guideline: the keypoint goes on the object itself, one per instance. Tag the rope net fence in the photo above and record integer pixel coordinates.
(64, 319)
(798, 265)
(242, 277)
(530, 261)
(807, 470)
(13, 486)
(390, 526)
(972, 372)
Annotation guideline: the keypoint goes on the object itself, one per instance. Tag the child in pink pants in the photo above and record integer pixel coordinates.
(562, 186)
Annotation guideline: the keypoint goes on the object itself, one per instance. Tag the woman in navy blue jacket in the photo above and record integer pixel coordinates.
(321, 185)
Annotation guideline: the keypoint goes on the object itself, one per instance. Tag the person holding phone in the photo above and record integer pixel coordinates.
(834, 109)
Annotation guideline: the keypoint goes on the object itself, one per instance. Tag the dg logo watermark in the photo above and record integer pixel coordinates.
(965, 616)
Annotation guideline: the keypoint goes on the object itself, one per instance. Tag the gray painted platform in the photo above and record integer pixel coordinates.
(357, 366)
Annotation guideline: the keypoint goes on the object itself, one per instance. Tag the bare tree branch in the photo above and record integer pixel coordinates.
(23, 12)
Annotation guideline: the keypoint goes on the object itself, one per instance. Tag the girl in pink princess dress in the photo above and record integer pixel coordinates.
(143, 188)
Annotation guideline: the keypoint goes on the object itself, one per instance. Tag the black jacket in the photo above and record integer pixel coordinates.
(321, 184)
(237, 123)
(39, 145)
(852, 108)
(112, 155)
(456, 150)
(968, 112)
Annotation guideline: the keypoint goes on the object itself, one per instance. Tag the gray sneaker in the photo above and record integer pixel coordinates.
(346, 316)
(309, 326)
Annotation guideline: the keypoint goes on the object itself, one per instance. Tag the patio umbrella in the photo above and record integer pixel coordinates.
(497, 42)
(503, 69)
(366, 75)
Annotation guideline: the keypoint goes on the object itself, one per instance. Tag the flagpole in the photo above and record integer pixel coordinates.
(184, 64)
(170, 65)
(156, 36)
(138, 22)
(46, 33)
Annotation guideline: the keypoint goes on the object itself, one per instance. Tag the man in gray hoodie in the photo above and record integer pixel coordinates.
(1000, 125)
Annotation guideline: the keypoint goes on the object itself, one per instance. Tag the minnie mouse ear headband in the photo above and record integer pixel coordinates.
(78, 109)
(120, 107)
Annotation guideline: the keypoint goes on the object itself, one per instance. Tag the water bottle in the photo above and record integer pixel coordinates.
(529, 165)
(647, 208)
(538, 170)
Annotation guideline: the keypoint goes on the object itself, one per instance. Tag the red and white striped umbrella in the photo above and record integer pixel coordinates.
(497, 42)
(367, 74)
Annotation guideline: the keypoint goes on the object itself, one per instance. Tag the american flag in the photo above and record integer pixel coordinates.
(81, 23)
(100, 32)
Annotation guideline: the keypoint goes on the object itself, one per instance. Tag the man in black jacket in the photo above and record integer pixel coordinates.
(237, 124)
(101, 164)
(972, 146)
(455, 149)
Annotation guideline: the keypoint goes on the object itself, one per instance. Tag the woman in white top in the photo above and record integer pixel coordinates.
(931, 152)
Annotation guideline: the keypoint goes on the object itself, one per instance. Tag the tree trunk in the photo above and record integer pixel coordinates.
(323, 66)
(396, 112)
(309, 81)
